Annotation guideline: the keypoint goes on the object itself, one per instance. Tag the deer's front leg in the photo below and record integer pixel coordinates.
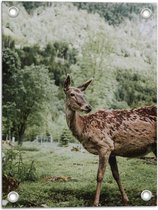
(103, 161)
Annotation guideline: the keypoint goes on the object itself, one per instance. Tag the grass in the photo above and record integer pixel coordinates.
(23, 148)
(52, 160)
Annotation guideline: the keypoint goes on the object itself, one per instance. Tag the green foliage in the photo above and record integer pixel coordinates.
(134, 89)
(26, 91)
(8, 42)
(11, 66)
(30, 6)
(35, 91)
(93, 64)
(34, 94)
(14, 166)
(115, 13)
(58, 57)
(66, 137)
(29, 55)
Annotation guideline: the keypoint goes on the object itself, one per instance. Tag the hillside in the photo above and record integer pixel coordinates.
(64, 22)
(59, 22)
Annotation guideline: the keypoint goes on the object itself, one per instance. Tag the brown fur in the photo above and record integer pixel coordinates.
(132, 132)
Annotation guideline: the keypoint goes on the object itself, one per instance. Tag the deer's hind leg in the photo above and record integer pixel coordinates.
(115, 173)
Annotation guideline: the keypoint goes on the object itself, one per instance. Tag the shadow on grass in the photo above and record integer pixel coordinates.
(107, 198)
(83, 198)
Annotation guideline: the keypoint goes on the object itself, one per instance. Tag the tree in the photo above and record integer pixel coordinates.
(135, 89)
(115, 13)
(93, 63)
(66, 137)
(11, 65)
(25, 91)
(30, 6)
(34, 90)
(29, 55)
(58, 57)
(8, 42)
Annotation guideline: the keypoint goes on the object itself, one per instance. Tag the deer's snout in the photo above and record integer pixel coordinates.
(87, 108)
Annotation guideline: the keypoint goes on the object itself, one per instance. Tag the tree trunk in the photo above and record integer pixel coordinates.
(21, 134)
(20, 139)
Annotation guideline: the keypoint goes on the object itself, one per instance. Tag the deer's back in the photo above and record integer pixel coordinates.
(133, 132)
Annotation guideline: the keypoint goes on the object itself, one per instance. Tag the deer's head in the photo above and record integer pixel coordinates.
(75, 96)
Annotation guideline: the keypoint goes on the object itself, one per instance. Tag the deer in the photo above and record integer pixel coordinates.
(109, 133)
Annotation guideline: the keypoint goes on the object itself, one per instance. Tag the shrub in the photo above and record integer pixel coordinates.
(66, 137)
(14, 166)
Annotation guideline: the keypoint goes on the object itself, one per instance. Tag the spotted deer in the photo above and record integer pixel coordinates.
(109, 133)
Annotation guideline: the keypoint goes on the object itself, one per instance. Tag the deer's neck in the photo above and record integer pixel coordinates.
(74, 121)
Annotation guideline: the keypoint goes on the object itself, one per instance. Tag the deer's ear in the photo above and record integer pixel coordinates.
(85, 85)
(67, 83)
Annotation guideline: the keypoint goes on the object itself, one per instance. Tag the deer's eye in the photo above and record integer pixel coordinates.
(72, 94)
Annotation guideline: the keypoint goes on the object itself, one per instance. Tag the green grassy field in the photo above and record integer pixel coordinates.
(79, 190)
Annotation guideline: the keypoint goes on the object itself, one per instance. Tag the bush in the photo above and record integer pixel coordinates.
(14, 166)
(66, 137)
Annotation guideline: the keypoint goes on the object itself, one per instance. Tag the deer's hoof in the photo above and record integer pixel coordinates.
(96, 205)
(125, 201)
